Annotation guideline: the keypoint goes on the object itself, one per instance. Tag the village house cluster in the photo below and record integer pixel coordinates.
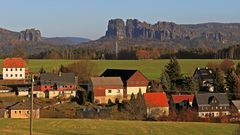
(115, 85)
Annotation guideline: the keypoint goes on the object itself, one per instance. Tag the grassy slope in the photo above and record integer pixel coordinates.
(151, 68)
(89, 127)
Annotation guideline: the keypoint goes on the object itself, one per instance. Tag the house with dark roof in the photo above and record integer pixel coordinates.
(205, 78)
(235, 106)
(133, 80)
(53, 85)
(22, 110)
(106, 88)
(157, 104)
(14, 69)
(179, 102)
(211, 104)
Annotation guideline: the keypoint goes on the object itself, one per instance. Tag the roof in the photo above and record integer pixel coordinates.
(181, 98)
(204, 73)
(236, 103)
(23, 105)
(158, 99)
(203, 99)
(106, 81)
(16, 62)
(62, 79)
(6, 105)
(123, 73)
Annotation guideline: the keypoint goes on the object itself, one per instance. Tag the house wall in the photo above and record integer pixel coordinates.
(157, 111)
(24, 113)
(213, 114)
(135, 90)
(104, 99)
(215, 110)
(39, 94)
(23, 93)
(52, 94)
(8, 74)
(56, 93)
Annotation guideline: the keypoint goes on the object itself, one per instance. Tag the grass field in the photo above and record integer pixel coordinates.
(151, 68)
(106, 127)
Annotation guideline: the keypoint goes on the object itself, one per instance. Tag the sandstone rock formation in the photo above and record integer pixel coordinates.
(165, 31)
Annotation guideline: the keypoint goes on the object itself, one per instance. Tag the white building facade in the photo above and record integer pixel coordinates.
(14, 69)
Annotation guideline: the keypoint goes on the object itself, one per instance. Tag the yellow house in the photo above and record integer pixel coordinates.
(22, 110)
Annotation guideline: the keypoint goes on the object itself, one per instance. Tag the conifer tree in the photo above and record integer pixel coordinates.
(219, 80)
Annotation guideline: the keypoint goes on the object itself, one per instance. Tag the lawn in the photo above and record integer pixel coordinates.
(105, 127)
(151, 68)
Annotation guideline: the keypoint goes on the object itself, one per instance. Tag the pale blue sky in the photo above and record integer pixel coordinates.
(88, 18)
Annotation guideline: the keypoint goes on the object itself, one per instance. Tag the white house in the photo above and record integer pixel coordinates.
(14, 69)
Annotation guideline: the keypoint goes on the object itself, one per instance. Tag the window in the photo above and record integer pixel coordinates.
(15, 69)
(45, 87)
(11, 69)
(20, 112)
(118, 91)
(6, 75)
(11, 75)
(20, 75)
(15, 112)
(109, 91)
(16, 75)
(20, 69)
(70, 86)
(27, 112)
(6, 69)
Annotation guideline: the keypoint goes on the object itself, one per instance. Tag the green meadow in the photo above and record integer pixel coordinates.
(150, 68)
(112, 127)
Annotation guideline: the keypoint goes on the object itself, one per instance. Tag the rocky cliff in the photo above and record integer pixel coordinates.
(30, 35)
(169, 31)
(26, 35)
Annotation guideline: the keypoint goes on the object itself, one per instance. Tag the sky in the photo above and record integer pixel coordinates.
(89, 18)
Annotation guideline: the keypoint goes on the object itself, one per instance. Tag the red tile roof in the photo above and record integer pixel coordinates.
(156, 99)
(16, 62)
(180, 98)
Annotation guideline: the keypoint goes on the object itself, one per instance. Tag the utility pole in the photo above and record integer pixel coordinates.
(31, 108)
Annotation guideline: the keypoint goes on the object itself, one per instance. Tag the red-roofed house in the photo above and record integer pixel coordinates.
(14, 69)
(181, 101)
(157, 104)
